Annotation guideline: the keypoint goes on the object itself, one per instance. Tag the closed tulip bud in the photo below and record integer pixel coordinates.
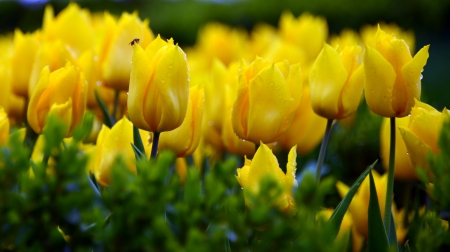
(403, 166)
(184, 139)
(111, 144)
(22, 59)
(306, 130)
(62, 92)
(72, 26)
(265, 164)
(4, 126)
(336, 82)
(117, 57)
(53, 54)
(422, 133)
(268, 96)
(392, 76)
(159, 86)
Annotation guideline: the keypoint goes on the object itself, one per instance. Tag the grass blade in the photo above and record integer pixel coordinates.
(107, 120)
(378, 240)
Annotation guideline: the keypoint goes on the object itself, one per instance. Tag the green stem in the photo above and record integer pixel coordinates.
(155, 144)
(257, 147)
(390, 183)
(323, 149)
(116, 104)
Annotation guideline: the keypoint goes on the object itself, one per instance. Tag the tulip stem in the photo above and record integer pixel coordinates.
(390, 183)
(155, 144)
(116, 104)
(323, 149)
(256, 147)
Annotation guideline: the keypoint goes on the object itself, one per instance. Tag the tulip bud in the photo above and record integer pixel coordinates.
(112, 143)
(422, 133)
(62, 92)
(336, 82)
(392, 76)
(268, 96)
(4, 127)
(116, 61)
(159, 86)
(184, 139)
(264, 164)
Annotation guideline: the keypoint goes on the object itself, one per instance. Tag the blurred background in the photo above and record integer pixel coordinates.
(350, 151)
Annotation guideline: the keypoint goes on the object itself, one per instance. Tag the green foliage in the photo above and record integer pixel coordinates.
(378, 240)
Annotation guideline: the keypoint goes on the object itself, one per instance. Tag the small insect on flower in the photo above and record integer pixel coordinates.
(136, 40)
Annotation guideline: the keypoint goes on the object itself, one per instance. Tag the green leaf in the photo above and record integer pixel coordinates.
(378, 240)
(139, 155)
(138, 142)
(339, 212)
(107, 120)
(393, 235)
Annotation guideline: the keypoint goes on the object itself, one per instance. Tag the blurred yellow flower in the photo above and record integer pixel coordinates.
(4, 127)
(265, 164)
(159, 86)
(22, 60)
(62, 92)
(422, 133)
(268, 96)
(184, 139)
(111, 144)
(403, 165)
(117, 54)
(336, 81)
(393, 77)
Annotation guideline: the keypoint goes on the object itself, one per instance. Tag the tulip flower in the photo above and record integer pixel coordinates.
(72, 26)
(12, 104)
(22, 59)
(336, 82)
(403, 165)
(392, 76)
(4, 127)
(422, 133)
(53, 54)
(117, 54)
(62, 92)
(184, 139)
(268, 96)
(265, 164)
(112, 143)
(368, 33)
(306, 130)
(159, 86)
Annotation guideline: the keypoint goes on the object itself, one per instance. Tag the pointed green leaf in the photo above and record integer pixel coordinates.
(339, 212)
(138, 140)
(107, 120)
(139, 155)
(393, 235)
(378, 240)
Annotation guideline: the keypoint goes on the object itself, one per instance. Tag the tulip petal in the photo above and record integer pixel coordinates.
(264, 163)
(417, 149)
(64, 81)
(270, 101)
(412, 75)
(4, 127)
(139, 79)
(240, 105)
(35, 109)
(291, 168)
(352, 92)
(242, 175)
(326, 80)
(379, 81)
(154, 47)
(426, 126)
(172, 79)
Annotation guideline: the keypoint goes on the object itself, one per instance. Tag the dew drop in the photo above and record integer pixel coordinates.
(99, 83)
(95, 58)
(421, 76)
(274, 144)
(210, 123)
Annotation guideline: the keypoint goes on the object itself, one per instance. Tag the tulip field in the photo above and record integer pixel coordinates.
(288, 138)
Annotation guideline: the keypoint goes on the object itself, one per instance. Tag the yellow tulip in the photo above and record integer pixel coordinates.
(422, 133)
(159, 86)
(53, 55)
(181, 167)
(111, 144)
(393, 77)
(368, 34)
(117, 55)
(184, 139)
(261, 39)
(4, 127)
(403, 165)
(307, 32)
(268, 96)
(22, 59)
(336, 82)
(62, 92)
(231, 141)
(264, 164)
(306, 130)
(72, 26)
